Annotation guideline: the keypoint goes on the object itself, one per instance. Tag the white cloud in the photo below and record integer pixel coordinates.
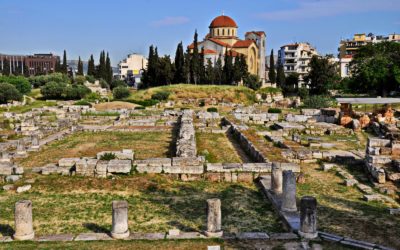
(308, 9)
(170, 21)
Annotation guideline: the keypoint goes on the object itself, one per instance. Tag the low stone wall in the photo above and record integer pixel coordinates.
(245, 143)
(186, 142)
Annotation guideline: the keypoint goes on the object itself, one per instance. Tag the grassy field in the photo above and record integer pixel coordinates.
(189, 91)
(156, 204)
(216, 148)
(144, 144)
(341, 209)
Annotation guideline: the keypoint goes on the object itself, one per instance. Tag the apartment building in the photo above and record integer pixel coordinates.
(131, 68)
(348, 48)
(296, 58)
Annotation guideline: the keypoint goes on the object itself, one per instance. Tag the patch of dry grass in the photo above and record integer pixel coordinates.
(114, 105)
(216, 148)
(341, 209)
(87, 144)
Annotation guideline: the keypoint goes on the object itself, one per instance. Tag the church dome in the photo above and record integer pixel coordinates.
(223, 21)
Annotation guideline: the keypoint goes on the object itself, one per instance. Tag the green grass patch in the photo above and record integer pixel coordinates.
(216, 148)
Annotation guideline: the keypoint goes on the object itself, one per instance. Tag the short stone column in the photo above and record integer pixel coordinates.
(120, 228)
(289, 192)
(308, 217)
(214, 218)
(276, 179)
(23, 220)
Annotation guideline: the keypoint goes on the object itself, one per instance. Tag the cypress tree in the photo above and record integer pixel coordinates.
(202, 68)
(80, 67)
(6, 68)
(218, 71)
(186, 66)
(280, 78)
(195, 61)
(228, 68)
(210, 74)
(179, 76)
(271, 73)
(108, 70)
(91, 68)
(64, 65)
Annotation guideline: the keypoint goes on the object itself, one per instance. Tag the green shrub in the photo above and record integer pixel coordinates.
(144, 103)
(120, 92)
(269, 90)
(303, 93)
(139, 107)
(212, 109)
(160, 96)
(108, 157)
(274, 110)
(53, 90)
(318, 101)
(117, 83)
(252, 81)
(90, 78)
(93, 96)
(9, 92)
(41, 80)
(104, 84)
(75, 92)
(21, 83)
(83, 103)
(80, 80)
(202, 103)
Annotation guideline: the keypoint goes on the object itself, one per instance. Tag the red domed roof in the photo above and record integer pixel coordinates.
(223, 21)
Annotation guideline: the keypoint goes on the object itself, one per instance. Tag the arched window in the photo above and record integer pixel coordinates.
(218, 32)
(229, 32)
(223, 32)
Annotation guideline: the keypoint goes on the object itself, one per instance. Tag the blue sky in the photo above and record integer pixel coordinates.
(83, 27)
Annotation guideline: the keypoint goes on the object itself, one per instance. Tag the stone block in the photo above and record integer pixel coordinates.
(6, 169)
(12, 178)
(186, 161)
(379, 159)
(67, 162)
(119, 166)
(18, 170)
(385, 151)
(253, 236)
(372, 197)
(374, 150)
(283, 236)
(92, 237)
(376, 142)
(328, 166)
(23, 188)
(215, 167)
(350, 182)
(8, 187)
(57, 237)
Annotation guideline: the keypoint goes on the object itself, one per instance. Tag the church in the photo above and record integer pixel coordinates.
(223, 35)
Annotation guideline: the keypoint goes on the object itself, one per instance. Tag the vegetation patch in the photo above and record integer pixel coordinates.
(216, 148)
(88, 144)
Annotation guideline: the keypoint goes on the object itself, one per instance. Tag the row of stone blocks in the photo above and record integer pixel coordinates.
(120, 229)
(186, 141)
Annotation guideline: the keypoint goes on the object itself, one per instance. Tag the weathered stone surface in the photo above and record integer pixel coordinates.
(92, 237)
(289, 192)
(375, 142)
(119, 166)
(308, 217)
(57, 237)
(23, 188)
(214, 218)
(8, 187)
(67, 162)
(350, 182)
(276, 178)
(146, 236)
(120, 228)
(23, 221)
(283, 236)
(186, 235)
(12, 178)
(6, 169)
(253, 236)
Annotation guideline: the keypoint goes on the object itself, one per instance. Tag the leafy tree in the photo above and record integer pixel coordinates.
(179, 76)
(80, 79)
(21, 83)
(80, 67)
(322, 76)
(252, 81)
(271, 73)
(117, 83)
(75, 92)
(53, 90)
(91, 67)
(9, 92)
(291, 84)
(120, 92)
(376, 69)
(165, 71)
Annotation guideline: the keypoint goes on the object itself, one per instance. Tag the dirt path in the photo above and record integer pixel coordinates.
(242, 154)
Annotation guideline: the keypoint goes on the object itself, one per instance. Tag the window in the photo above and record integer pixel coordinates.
(223, 32)
(218, 32)
(229, 32)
